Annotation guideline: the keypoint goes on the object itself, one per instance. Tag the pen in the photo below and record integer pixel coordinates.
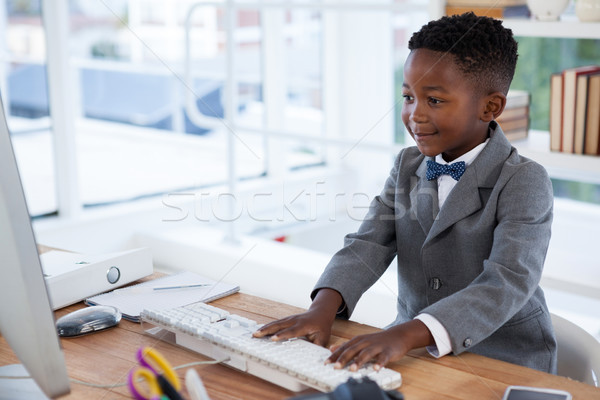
(181, 286)
(147, 289)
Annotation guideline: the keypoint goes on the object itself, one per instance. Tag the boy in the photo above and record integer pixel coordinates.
(471, 242)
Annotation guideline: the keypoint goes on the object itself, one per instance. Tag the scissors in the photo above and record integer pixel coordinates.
(161, 381)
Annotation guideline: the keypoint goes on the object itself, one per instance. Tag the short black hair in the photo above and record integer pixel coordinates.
(483, 49)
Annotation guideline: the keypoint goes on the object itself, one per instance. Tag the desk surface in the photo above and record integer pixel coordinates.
(106, 357)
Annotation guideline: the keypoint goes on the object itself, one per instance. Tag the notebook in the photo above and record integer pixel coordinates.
(165, 292)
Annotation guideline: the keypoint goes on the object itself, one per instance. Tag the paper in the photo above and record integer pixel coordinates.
(133, 299)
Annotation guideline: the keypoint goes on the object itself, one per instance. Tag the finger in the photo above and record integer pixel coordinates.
(318, 338)
(271, 328)
(336, 350)
(347, 354)
(381, 361)
(367, 354)
(340, 347)
(285, 334)
(294, 331)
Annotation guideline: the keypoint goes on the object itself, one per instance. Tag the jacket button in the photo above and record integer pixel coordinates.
(468, 342)
(435, 283)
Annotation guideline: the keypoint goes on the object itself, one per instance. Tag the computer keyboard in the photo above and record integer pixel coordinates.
(293, 364)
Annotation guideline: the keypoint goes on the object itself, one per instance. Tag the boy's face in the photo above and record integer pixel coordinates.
(442, 111)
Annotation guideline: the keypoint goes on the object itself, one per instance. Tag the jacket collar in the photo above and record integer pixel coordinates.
(465, 198)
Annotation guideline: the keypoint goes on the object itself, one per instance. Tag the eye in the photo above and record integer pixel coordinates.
(407, 97)
(435, 101)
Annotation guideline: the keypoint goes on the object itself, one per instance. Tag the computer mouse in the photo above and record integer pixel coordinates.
(88, 320)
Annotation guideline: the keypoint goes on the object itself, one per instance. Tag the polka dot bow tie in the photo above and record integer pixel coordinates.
(455, 170)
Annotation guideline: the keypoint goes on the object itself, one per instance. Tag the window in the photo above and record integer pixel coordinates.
(25, 98)
(274, 77)
(404, 24)
(137, 136)
(540, 57)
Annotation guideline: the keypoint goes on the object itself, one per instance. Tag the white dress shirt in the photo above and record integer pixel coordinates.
(445, 185)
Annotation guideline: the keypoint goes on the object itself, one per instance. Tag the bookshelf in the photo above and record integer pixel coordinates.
(574, 167)
(567, 27)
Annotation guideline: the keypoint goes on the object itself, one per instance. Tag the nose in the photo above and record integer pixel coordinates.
(417, 112)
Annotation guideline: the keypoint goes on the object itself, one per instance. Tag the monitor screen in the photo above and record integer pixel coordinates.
(26, 318)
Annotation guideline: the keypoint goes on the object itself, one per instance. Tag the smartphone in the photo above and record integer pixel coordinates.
(532, 393)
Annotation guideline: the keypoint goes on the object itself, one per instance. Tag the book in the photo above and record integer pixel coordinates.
(484, 3)
(581, 100)
(513, 112)
(514, 124)
(515, 128)
(491, 11)
(517, 134)
(517, 98)
(569, 98)
(592, 123)
(514, 119)
(162, 293)
(580, 108)
(556, 88)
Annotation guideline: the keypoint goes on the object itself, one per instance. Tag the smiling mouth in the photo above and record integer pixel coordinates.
(424, 133)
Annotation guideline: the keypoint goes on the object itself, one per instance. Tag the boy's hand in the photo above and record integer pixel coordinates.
(312, 324)
(315, 323)
(381, 347)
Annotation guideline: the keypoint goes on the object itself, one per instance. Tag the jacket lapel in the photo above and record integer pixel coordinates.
(462, 201)
(424, 198)
(483, 173)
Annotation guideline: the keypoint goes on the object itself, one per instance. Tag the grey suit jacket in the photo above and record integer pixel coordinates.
(475, 265)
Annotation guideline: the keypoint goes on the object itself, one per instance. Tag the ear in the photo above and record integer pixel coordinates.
(493, 107)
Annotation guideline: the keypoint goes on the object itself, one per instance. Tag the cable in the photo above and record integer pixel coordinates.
(14, 377)
(115, 385)
(98, 385)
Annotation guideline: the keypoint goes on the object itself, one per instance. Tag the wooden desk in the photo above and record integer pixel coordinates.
(106, 357)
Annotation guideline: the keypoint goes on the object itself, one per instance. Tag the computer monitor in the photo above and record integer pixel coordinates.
(26, 317)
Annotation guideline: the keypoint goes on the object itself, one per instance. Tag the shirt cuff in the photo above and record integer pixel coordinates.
(440, 336)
